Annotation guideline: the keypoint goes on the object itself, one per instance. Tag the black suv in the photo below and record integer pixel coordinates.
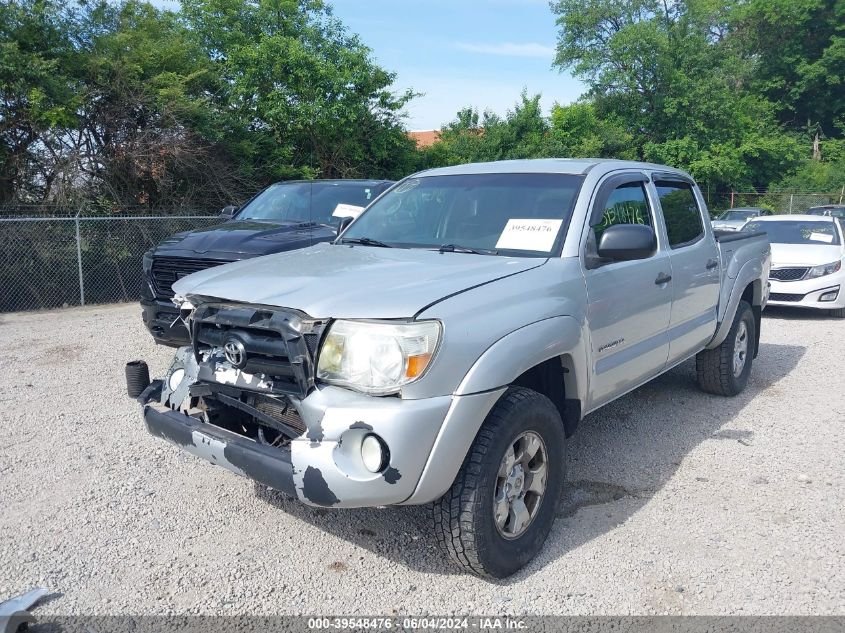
(283, 217)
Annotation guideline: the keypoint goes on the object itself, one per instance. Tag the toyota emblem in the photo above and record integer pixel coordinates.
(235, 352)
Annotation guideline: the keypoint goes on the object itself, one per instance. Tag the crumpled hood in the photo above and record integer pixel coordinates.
(241, 237)
(356, 282)
(804, 254)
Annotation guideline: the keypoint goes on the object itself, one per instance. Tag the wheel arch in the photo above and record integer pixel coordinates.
(748, 287)
(540, 353)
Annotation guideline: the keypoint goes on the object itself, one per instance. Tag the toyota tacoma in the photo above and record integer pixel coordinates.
(443, 348)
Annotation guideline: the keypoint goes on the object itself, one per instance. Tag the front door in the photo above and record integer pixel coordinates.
(629, 302)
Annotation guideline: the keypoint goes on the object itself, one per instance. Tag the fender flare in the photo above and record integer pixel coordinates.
(750, 274)
(517, 352)
(486, 381)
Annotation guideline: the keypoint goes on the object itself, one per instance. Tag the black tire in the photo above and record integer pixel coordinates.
(838, 313)
(464, 521)
(715, 367)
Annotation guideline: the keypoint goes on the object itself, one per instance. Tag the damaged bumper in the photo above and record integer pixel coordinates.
(269, 466)
(307, 447)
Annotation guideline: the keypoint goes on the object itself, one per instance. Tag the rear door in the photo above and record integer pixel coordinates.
(694, 255)
(628, 303)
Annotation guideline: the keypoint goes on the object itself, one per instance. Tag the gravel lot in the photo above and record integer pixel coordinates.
(677, 502)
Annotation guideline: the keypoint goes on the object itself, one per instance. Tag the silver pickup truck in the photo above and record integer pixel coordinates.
(442, 349)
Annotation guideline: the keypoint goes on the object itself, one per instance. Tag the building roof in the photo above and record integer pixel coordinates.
(425, 138)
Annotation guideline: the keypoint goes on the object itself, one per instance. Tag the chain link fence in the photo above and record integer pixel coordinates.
(52, 258)
(776, 202)
(51, 262)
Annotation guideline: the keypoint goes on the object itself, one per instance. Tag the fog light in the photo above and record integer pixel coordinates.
(829, 296)
(373, 454)
(175, 378)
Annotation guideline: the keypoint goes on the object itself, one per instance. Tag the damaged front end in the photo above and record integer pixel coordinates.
(243, 396)
(229, 396)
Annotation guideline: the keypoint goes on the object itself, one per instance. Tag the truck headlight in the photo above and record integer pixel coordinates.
(824, 269)
(377, 357)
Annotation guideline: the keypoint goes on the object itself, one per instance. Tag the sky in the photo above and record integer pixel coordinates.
(462, 52)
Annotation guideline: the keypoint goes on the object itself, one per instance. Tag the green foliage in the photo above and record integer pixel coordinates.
(676, 77)
(300, 81)
(578, 131)
(123, 104)
(799, 50)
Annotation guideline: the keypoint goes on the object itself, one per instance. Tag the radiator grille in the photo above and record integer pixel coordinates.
(277, 342)
(167, 270)
(788, 274)
(281, 411)
(783, 296)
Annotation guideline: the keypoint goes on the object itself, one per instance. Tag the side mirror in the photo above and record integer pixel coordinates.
(228, 212)
(343, 223)
(622, 242)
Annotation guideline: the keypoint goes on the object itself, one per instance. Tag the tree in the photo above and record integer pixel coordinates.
(579, 132)
(522, 133)
(798, 47)
(35, 93)
(673, 76)
(304, 87)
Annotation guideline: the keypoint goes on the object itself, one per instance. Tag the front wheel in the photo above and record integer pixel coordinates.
(725, 369)
(500, 509)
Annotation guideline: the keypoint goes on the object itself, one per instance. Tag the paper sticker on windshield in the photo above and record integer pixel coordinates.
(821, 237)
(347, 211)
(529, 235)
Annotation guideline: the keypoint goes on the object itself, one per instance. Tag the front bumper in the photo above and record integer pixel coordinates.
(162, 320)
(322, 466)
(807, 293)
(271, 467)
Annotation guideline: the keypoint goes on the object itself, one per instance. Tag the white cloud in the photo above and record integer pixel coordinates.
(529, 49)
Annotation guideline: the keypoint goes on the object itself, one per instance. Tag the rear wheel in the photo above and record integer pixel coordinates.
(500, 509)
(725, 369)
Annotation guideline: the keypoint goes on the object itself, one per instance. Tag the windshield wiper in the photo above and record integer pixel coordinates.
(454, 248)
(364, 241)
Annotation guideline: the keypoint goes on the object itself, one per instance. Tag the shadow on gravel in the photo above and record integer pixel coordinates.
(619, 458)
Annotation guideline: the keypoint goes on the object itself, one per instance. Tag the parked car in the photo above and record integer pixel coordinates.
(283, 217)
(807, 261)
(833, 210)
(447, 344)
(734, 219)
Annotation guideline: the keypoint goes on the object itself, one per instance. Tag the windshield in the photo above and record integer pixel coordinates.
(739, 214)
(306, 201)
(836, 212)
(797, 232)
(508, 214)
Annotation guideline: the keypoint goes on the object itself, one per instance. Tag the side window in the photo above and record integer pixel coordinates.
(680, 212)
(626, 205)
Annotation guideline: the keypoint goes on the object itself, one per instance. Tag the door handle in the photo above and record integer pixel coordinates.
(663, 278)
(711, 264)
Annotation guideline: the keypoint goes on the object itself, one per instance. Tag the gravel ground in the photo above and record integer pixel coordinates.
(677, 502)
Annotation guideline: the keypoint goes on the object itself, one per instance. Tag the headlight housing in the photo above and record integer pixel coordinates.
(377, 358)
(824, 269)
